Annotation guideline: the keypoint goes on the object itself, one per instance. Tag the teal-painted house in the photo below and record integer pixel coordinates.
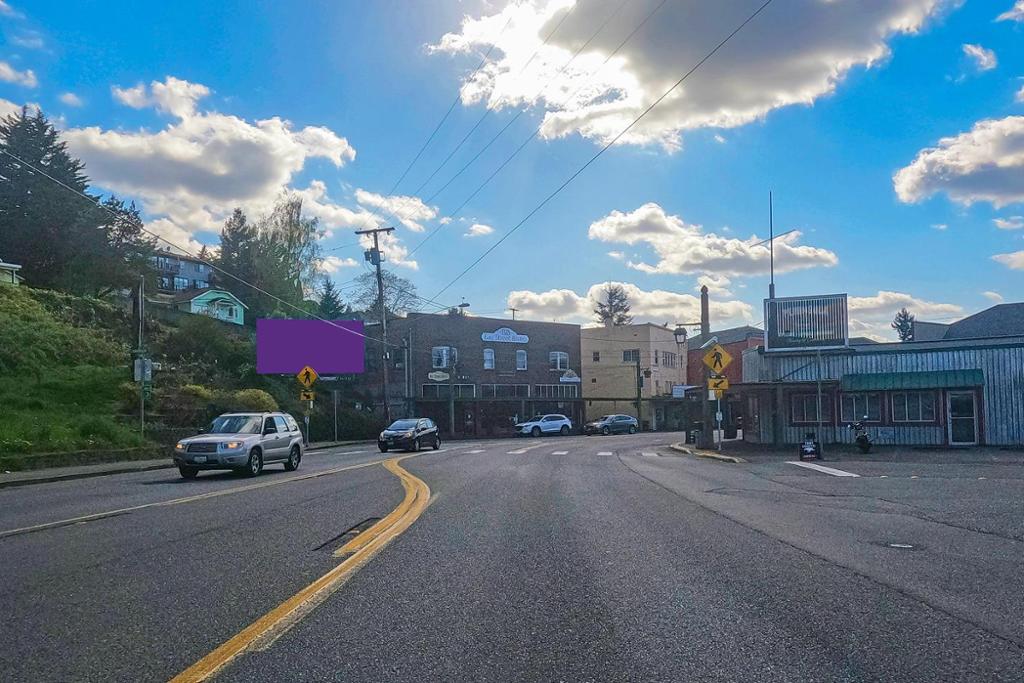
(216, 303)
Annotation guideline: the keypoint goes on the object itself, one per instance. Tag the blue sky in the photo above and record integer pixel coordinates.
(194, 107)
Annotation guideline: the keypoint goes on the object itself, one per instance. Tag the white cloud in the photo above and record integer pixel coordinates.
(617, 255)
(446, 220)
(8, 107)
(332, 264)
(31, 40)
(655, 306)
(1011, 223)
(394, 251)
(940, 226)
(7, 10)
(1019, 97)
(983, 164)
(684, 248)
(71, 99)
(1015, 13)
(792, 53)
(871, 315)
(409, 210)
(718, 285)
(1013, 260)
(983, 58)
(994, 297)
(135, 97)
(9, 74)
(478, 230)
(333, 216)
(719, 139)
(174, 234)
(196, 169)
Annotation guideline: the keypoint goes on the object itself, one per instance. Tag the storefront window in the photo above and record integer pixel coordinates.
(853, 407)
(913, 406)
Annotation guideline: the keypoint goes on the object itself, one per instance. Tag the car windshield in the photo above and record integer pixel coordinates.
(402, 425)
(536, 418)
(236, 424)
(605, 418)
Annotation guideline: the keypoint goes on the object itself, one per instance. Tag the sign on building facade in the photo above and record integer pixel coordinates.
(806, 322)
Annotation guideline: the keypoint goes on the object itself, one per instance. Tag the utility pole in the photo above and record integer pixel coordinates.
(142, 355)
(514, 311)
(639, 392)
(705, 333)
(771, 248)
(375, 257)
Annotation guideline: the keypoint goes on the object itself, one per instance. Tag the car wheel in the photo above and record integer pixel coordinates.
(632, 429)
(255, 465)
(605, 431)
(437, 443)
(383, 449)
(294, 458)
(188, 472)
(564, 431)
(535, 431)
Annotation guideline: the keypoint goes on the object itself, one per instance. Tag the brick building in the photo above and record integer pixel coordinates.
(491, 371)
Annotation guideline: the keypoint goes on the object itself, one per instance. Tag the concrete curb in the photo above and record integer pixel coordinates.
(680, 448)
(46, 479)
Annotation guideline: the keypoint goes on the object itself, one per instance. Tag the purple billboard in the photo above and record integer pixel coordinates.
(284, 347)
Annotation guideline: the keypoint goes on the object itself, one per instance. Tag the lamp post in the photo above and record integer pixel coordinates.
(680, 334)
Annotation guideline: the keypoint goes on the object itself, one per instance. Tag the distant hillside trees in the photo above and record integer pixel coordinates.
(61, 239)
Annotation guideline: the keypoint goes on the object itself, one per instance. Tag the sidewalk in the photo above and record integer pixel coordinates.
(51, 474)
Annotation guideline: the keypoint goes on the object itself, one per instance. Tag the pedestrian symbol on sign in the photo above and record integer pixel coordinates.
(307, 376)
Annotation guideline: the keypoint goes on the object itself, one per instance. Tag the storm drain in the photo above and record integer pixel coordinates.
(347, 535)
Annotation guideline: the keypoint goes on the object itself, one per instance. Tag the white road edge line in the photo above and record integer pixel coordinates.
(559, 452)
(821, 468)
(605, 453)
(648, 454)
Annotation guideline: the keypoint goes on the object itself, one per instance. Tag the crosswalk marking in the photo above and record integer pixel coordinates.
(476, 451)
(560, 453)
(605, 453)
(648, 454)
(821, 468)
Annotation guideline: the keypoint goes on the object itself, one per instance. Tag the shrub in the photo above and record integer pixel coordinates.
(251, 399)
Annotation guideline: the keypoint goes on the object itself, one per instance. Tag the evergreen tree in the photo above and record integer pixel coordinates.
(903, 323)
(330, 306)
(615, 308)
(62, 239)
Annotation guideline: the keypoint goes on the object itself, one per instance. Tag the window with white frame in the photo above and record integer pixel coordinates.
(559, 360)
(913, 406)
(555, 391)
(668, 359)
(853, 407)
(445, 390)
(804, 408)
(488, 359)
(443, 356)
(631, 355)
(520, 359)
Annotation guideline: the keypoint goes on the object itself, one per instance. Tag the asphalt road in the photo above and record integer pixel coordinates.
(555, 559)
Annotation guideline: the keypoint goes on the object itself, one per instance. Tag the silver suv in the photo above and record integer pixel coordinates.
(242, 442)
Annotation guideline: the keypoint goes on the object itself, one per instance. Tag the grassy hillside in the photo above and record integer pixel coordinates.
(61, 367)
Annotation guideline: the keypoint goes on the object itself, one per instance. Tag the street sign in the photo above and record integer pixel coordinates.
(437, 376)
(307, 376)
(718, 382)
(717, 358)
(307, 395)
(143, 370)
(678, 391)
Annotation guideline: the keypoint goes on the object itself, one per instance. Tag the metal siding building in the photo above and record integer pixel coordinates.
(772, 379)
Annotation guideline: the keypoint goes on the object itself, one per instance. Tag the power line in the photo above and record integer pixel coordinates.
(604, 149)
(536, 132)
(444, 118)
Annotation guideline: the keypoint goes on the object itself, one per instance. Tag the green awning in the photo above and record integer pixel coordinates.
(892, 381)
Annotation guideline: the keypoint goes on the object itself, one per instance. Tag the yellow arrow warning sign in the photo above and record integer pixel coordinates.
(718, 382)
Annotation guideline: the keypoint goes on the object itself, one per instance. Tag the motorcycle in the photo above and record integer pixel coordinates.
(861, 436)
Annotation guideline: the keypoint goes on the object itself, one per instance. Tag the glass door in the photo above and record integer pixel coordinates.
(963, 421)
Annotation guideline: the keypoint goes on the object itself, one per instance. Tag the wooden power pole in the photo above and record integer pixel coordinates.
(374, 256)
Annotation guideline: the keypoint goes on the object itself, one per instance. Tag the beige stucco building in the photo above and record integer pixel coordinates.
(609, 367)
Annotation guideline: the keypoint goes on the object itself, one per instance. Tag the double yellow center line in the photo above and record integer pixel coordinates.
(359, 551)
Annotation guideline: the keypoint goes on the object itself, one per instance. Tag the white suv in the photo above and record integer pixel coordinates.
(242, 442)
(545, 424)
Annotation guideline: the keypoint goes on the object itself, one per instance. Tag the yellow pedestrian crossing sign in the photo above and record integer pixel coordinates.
(718, 382)
(307, 376)
(717, 358)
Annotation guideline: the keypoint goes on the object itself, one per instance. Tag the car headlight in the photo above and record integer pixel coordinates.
(179, 446)
(231, 445)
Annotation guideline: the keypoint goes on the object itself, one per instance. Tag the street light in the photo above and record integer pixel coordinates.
(680, 335)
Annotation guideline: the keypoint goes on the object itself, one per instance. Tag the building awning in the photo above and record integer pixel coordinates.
(891, 381)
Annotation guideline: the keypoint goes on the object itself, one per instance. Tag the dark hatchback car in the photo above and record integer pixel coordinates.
(612, 424)
(409, 434)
